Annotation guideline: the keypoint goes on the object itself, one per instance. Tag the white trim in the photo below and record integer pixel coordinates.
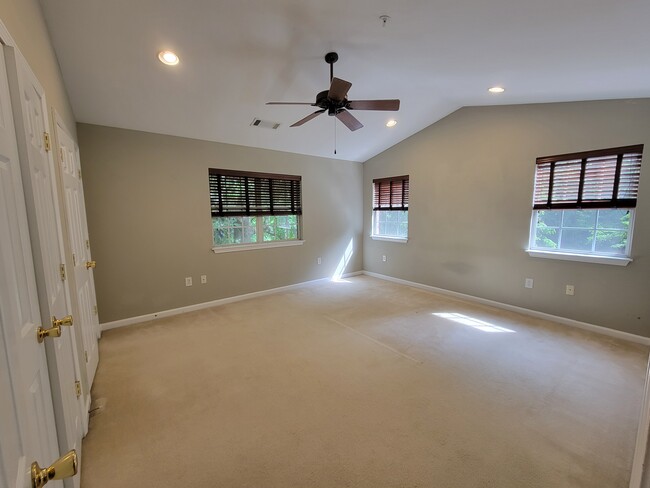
(533, 313)
(257, 245)
(585, 258)
(638, 462)
(213, 303)
(401, 240)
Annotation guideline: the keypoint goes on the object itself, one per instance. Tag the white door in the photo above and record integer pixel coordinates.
(78, 232)
(39, 182)
(27, 426)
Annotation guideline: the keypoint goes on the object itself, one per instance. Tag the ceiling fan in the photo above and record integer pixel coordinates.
(334, 101)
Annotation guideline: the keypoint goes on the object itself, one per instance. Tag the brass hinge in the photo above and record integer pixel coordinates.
(95, 310)
(74, 260)
(46, 141)
(77, 388)
(62, 272)
(86, 355)
(87, 244)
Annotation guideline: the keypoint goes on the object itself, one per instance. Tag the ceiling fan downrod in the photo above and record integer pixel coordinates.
(331, 58)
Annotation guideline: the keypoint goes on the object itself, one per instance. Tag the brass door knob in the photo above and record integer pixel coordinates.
(42, 333)
(67, 320)
(91, 264)
(64, 467)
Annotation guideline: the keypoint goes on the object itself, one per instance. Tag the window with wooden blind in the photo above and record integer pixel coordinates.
(390, 204)
(584, 203)
(251, 210)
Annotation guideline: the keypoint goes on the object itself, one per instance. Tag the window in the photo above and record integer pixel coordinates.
(390, 204)
(251, 210)
(584, 204)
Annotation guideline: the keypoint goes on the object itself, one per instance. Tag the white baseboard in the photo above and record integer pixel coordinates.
(526, 311)
(214, 303)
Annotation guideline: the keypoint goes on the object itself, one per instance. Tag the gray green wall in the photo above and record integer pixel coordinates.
(25, 22)
(149, 220)
(471, 177)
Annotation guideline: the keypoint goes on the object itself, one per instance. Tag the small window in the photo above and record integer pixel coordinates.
(584, 203)
(390, 204)
(254, 208)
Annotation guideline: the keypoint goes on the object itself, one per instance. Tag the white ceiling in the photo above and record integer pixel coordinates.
(434, 55)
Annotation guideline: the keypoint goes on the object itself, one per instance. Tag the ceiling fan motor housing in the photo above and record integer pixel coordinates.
(332, 106)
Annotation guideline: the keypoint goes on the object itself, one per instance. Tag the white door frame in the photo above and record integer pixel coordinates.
(45, 234)
(27, 421)
(80, 276)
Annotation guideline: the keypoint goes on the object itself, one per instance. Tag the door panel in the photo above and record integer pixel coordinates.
(80, 244)
(27, 424)
(31, 121)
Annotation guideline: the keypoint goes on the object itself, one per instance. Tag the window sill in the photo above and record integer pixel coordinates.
(401, 240)
(260, 245)
(585, 258)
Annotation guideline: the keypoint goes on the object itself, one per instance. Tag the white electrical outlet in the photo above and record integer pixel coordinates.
(188, 281)
(204, 279)
(383, 258)
(318, 260)
(570, 290)
(528, 283)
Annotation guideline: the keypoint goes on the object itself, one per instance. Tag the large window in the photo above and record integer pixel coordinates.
(250, 209)
(390, 204)
(584, 203)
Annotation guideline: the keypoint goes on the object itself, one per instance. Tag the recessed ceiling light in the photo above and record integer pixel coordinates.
(391, 123)
(168, 57)
(496, 89)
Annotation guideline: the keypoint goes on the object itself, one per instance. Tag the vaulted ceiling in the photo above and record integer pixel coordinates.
(434, 55)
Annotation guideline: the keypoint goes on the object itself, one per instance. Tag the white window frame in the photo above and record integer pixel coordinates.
(260, 243)
(622, 259)
(384, 237)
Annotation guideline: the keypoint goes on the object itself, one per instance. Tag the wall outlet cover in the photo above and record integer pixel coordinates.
(188, 281)
(528, 283)
(204, 279)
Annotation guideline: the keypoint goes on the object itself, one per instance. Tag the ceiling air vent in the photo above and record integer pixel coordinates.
(265, 124)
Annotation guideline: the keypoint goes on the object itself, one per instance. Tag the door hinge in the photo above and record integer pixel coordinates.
(95, 311)
(74, 260)
(46, 141)
(87, 244)
(61, 155)
(79, 173)
(86, 355)
(77, 388)
(62, 272)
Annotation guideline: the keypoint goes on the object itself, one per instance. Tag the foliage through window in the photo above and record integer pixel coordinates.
(584, 203)
(254, 208)
(390, 204)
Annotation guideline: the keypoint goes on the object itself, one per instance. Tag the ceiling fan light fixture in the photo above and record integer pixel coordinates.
(391, 123)
(168, 57)
(496, 89)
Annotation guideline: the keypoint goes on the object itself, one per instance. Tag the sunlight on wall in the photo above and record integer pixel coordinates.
(472, 322)
(345, 259)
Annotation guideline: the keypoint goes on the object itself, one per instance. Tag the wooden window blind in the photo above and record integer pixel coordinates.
(244, 193)
(391, 193)
(607, 178)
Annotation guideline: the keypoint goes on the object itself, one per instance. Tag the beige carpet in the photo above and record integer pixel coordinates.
(360, 384)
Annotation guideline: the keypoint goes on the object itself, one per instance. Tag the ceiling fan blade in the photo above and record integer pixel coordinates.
(338, 89)
(387, 105)
(290, 103)
(308, 118)
(349, 120)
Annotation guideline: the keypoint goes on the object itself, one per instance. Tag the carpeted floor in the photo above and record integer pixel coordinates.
(361, 384)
